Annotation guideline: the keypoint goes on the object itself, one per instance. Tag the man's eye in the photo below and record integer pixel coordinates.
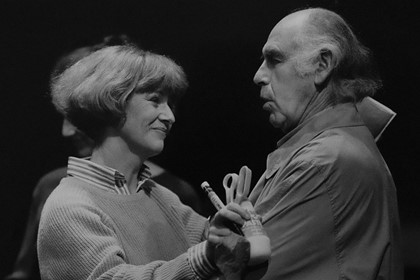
(272, 60)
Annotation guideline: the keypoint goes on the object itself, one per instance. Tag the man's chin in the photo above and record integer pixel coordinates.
(276, 123)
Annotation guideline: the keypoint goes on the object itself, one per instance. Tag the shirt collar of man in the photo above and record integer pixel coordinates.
(332, 117)
(104, 177)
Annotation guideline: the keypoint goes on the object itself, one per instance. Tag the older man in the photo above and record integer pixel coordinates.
(327, 198)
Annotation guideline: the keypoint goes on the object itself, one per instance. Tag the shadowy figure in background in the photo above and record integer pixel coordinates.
(327, 199)
(26, 264)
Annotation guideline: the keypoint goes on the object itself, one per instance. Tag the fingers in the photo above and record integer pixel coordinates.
(229, 215)
(222, 236)
(238, 210)
(225, 216)
(219, 231)
(217, 235)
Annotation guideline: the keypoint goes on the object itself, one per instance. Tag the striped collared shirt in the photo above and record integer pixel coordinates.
(103, 177)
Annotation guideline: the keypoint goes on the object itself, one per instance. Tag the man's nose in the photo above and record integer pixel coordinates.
(68, 129)
(261, 77)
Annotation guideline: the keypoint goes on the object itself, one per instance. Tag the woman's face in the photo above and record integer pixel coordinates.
(149, 119)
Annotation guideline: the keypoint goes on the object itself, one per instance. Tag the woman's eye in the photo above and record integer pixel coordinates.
(154, 98)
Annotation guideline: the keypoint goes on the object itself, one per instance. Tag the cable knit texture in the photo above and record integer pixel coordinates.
(87, 233)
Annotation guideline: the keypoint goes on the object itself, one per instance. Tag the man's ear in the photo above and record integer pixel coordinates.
(324, 67)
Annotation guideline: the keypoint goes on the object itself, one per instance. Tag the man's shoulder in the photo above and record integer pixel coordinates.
(338, 146)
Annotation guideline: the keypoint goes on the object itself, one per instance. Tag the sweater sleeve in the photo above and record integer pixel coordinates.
(76, 242)
(195, 225)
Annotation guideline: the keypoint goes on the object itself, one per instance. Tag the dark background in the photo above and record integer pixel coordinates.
(220, 124)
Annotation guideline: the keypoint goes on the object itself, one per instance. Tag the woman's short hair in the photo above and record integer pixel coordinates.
(93, 93)
(353, 76)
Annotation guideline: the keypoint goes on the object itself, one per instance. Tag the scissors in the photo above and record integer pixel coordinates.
(237, 186)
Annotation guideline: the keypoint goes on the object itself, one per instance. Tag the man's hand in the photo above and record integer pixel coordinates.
(227, 249)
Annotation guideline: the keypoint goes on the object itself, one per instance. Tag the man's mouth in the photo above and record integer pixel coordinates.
(266, 101)
(266, 104)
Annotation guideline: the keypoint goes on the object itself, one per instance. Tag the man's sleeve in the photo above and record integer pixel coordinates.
(298, 218)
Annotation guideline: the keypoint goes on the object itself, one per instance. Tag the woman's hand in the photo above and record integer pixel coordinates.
(225, 247)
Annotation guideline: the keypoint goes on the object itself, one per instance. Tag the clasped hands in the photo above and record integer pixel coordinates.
(226, 247)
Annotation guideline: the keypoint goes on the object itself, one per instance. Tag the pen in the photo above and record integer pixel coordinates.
(212, 195)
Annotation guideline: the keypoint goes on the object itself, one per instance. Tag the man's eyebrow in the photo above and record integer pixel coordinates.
(271, 53)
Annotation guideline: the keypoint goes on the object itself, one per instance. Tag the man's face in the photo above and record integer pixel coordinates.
(284, 92)
(82, 143)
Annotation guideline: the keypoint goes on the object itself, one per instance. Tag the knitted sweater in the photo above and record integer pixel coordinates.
(87, 233)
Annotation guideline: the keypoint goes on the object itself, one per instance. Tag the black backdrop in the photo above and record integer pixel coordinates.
(220, 124)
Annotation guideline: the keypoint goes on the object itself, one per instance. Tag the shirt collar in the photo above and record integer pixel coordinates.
(333, 117)
(104, 177)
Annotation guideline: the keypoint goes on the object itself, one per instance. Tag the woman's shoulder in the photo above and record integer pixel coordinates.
(72, 203)
(70, 193)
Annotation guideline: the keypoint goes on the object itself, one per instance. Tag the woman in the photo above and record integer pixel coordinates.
(106, 219)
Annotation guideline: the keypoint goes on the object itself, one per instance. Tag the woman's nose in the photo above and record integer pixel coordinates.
(167, 113)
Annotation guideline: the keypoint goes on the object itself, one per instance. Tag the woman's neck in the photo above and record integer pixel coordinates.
(114, 153)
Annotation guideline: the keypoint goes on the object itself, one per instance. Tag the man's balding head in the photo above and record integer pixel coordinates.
(316, 31)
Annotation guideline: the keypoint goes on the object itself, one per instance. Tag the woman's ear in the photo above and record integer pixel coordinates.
(324, 67)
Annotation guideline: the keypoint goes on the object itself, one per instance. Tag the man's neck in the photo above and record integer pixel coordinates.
(317, 103)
